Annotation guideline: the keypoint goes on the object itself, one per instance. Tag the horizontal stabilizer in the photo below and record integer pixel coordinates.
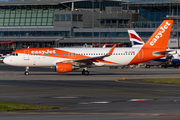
(168, 52)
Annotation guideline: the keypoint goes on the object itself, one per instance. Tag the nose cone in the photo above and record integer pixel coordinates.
(6, 60)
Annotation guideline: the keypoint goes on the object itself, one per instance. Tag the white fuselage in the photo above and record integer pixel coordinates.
(120, 56)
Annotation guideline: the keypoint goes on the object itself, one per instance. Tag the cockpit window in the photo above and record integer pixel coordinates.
(14, 54)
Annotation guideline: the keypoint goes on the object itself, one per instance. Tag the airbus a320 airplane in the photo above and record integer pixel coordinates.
(68, 59)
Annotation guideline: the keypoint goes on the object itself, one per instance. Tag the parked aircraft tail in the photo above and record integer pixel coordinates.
(156, 46)
(136, 41)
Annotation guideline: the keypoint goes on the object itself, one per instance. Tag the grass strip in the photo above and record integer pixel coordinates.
(5, 106)
(164, 80)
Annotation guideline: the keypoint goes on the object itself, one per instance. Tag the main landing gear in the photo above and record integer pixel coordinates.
(27, 71)
(85, 72)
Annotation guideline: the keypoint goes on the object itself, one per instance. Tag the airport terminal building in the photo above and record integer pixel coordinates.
(72, 23)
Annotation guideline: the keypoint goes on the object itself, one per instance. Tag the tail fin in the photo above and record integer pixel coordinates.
(136, 41)
(156, 46)
(161, 36)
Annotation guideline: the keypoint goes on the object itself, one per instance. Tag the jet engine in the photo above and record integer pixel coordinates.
(64, 67)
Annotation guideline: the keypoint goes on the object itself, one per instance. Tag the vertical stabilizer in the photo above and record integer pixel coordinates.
(136, 41)
(156, 46)
(160, 37)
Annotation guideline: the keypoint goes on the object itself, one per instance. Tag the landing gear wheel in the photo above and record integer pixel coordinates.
(85, 72)
(26, 73)
(165, 66)
(148, 66)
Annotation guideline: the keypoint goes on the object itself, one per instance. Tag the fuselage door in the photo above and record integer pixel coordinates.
(26, 54)
(141, 54)
(72, 55)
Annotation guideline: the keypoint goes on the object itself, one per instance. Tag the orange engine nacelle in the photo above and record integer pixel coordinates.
(64, 67)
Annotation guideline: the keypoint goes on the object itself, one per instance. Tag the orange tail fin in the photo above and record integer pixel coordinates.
(156, 46)
(160, 37)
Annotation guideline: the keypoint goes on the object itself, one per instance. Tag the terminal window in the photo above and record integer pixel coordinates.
(56, 17)
(62, 17)
(108, 22)
(75, 17)
(80, 17)
(68, 17)
(102, 22)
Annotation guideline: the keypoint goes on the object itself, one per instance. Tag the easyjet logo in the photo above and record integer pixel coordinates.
(43, 52)
(160, 33)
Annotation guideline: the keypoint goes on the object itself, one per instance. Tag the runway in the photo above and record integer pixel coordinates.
(102, 95)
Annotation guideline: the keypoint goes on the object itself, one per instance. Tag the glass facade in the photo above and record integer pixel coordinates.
(145, 24)
(150, 1)
(96, 4)
(154, 10)
(149, 16)
(110, 34)
(33, 33)
(30, 15)
(25, 17)
(67, 33)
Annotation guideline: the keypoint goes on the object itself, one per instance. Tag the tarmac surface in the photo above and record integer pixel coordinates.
(102, 95)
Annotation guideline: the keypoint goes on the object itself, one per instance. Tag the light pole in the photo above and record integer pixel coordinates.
(177, 27)
(99, 23)
(92, 21)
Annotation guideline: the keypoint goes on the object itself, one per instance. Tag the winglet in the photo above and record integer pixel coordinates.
(104, 45)
(111, 51)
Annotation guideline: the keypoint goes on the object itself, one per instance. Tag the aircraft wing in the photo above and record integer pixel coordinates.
(93, 59)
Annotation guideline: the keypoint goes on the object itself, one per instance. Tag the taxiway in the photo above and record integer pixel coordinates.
(102, 95)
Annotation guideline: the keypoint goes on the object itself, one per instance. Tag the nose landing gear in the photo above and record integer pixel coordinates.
(27, 71)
